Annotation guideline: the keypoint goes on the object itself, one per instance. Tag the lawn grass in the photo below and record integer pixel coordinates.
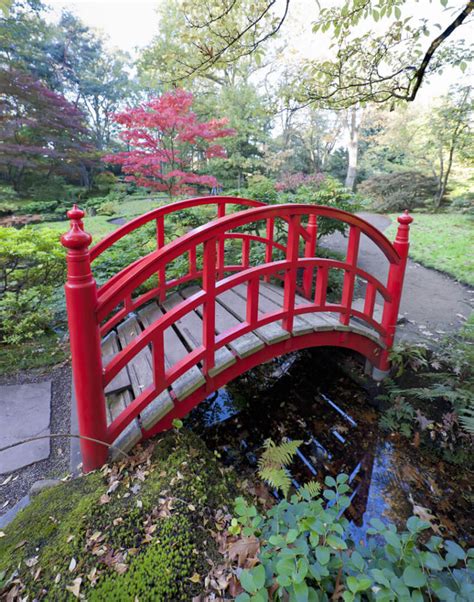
(43, 352)
(99, 226)
(444, 241)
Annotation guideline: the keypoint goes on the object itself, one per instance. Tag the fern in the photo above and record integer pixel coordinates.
(273, 462)
(466, 417)
(278, 455)
(309, 490)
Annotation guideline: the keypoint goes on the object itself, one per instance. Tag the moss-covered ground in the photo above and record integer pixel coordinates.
(140, 530)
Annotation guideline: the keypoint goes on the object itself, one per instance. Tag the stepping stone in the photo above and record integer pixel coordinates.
(24, 412)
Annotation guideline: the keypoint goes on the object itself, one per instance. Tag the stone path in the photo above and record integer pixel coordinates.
(432, 303)
(25, 412)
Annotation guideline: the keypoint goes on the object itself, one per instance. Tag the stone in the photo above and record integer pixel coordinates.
(42, 485)
(25, 412)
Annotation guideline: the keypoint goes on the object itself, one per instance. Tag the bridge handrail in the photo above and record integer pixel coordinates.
(151, 263)
(160, 212)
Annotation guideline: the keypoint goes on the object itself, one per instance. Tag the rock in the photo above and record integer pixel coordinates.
(42, 485)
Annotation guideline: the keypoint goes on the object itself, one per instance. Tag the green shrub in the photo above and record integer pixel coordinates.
(44, 207)
(260, 188)
(105, 181)
(32, 267)
(7, 209)
(399, 191)
(464, 203)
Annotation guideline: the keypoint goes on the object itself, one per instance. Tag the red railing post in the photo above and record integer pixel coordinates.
(396, 275)
(269, 247)
(81, 302)
(209, 306)
(292, 249)
(309, 251)
(349, 274)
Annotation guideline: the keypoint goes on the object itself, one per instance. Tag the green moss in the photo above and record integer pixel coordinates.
(156, 522)
(161, 573)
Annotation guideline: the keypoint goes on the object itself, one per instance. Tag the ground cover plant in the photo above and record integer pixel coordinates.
(430, 398)
(442, 241)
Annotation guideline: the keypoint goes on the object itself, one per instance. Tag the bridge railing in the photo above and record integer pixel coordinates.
(87, 309)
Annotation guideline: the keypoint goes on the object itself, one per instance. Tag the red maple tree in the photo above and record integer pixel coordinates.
(169, 144)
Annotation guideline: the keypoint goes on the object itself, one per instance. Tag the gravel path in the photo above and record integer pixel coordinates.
(432, 303)
(57, 464)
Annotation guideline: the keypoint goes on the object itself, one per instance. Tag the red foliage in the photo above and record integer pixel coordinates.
(40, 130)
(291, 182)
(168, 144)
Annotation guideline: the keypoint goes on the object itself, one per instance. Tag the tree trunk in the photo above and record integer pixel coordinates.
(352, 148)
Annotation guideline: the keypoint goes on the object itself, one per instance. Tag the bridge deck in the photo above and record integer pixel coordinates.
(186, 335)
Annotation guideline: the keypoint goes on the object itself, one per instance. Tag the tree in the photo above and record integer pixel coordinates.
(169, 144)
(353, 123)
(40, 130)
(450, 131)
(369, 63)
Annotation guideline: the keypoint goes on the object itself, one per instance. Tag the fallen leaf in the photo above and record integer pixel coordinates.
(121, 568)
(196, 578)
(104, 499)
(31, 561)
(20, 544)
(72, 564)
(57, 579)
(2, 534)
(244, 548)
(75, 588)
(6, 481)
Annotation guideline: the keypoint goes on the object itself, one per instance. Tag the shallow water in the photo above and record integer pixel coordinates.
(306, 396)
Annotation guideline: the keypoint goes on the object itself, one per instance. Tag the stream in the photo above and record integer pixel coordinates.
(306, 396)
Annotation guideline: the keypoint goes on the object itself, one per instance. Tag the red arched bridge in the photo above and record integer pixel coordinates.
(180, 322)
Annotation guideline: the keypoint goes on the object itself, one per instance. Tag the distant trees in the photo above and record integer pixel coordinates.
(41, 131)
(170, 146)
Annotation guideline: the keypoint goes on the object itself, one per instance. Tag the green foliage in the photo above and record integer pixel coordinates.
(273, 462)
(399, 191)
(261, 188)
(7, 209)
(273, 468)
(32, 266)
(306, 554)
(440, 404)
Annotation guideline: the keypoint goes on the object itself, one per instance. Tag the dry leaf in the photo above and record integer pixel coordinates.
(31, 561)
(244, 548)
(104, 499)
(6, 481)
(57, 579)
(2, 533)
(75, 588)
(121, 568)
(72, 565)
(196, 578)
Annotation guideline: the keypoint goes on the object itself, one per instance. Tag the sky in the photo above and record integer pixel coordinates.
(131, 25)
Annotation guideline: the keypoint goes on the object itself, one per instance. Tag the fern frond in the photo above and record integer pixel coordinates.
(466, 417)
(309, 490)
(277, 478)
(278, 456)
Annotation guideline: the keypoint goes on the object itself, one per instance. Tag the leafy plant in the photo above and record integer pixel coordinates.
(32, 266)
(306, 554)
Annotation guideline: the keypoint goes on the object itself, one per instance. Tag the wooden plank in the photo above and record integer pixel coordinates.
(235, 304)
(141, 375)
(190, 328)
(110, 348)
(174, 352)
(243, 346)
(320, 321)
(127, 439)
(266, 305)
